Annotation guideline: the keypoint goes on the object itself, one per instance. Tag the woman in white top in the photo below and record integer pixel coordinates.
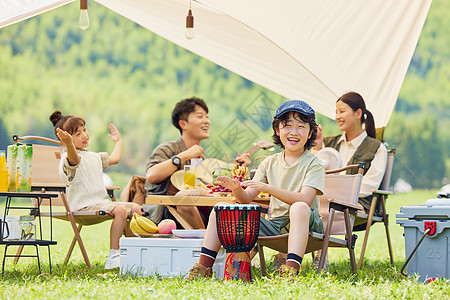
(357, 143)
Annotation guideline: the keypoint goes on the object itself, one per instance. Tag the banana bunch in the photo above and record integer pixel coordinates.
(140, 224)
(239, 171)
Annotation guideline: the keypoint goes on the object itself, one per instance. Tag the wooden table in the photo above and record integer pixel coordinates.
(170, 201)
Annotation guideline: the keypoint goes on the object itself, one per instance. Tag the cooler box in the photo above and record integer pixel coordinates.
(163, 256)
(431, 259)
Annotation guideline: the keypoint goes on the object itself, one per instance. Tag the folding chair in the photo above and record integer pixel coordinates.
(379, 196)
(341, 192)
(45, 177)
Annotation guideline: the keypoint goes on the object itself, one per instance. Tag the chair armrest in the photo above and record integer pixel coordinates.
(341, 205)
(17, 139)
(341, 169)
(382, 192)
(113, 188)
(110, 190)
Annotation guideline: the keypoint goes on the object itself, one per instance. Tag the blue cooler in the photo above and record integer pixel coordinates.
(427, 244)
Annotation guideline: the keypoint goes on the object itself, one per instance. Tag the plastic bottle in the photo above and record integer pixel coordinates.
(3, 172)
(11, 163)
(24, 161)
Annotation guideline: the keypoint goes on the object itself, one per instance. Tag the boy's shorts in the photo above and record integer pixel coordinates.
(281, 225)
(108, 207)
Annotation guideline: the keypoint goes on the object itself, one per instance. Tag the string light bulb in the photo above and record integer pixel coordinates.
(83, 20)
(189, 34)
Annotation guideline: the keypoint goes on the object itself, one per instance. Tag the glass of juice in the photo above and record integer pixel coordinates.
(189, 175)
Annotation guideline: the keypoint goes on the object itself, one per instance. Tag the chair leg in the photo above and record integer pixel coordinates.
(366, 235)
(76, 232)
(72, 245)
(386, 227)
(127, 231)
(326, 240)
(77, 238)
(262, 260)
(19, 251)
(348, 234)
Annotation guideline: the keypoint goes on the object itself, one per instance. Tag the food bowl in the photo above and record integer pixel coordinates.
(193, 192)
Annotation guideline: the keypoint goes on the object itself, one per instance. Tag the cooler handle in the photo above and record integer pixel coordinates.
(414, 251)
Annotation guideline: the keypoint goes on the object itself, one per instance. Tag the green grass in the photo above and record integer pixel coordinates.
(377, 280)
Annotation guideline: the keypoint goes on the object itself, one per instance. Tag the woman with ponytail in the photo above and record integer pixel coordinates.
(357, 143)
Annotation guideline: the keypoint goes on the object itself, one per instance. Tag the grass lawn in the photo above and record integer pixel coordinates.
(377, 279)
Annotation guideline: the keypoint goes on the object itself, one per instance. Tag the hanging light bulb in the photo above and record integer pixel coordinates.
(83, 20)
(189, 34)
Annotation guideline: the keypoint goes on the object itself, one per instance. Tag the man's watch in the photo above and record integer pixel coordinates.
(176, 161)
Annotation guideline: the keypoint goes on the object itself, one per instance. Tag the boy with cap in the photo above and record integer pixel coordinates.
(294, 177)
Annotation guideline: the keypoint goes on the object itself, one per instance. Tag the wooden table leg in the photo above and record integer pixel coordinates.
(179, 218)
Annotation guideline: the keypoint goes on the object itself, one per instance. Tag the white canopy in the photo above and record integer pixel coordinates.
(13, 11)
(310, 50)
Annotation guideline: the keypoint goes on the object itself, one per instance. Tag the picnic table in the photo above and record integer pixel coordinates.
(171, 201)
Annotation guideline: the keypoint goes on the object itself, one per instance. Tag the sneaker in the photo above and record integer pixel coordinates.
(286, 271)
(199, 271)
(112, 262)
(315, 263)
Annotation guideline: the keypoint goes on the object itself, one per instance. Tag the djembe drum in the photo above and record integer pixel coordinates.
(238, 228)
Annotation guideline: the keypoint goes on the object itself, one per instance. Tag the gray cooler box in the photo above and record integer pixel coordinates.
(431, 259)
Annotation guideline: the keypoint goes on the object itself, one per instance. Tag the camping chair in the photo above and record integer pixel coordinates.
(45, 177)
(379, 196)
(341, 191)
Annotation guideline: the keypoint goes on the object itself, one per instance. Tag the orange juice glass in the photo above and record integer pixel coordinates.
(189, 175)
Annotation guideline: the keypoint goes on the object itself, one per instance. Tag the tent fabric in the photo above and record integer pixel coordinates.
(310, 50)
(13, 11)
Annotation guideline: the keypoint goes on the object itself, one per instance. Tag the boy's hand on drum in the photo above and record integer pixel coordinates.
(229, 183)
(64, 136)
(114, 135)
(262, 187)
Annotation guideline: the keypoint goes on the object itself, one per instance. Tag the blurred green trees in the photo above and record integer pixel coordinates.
(118, 72)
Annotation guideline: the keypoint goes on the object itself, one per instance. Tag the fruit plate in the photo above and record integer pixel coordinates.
(153, 235)
(224, 194)
(193, 192)
(189, 234)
